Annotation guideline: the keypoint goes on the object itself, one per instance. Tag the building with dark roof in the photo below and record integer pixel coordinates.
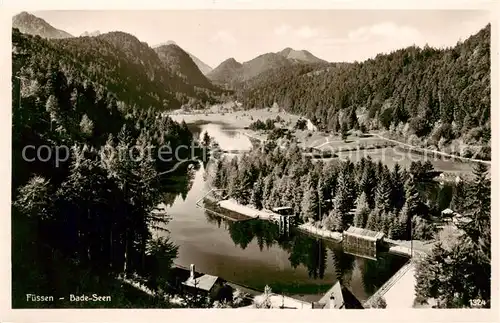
(338, 297)
(192, 282)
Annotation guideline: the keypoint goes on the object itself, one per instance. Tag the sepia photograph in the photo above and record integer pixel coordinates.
(251, 159)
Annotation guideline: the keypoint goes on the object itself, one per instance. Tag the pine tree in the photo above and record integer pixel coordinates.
(403, 226)
(459, 199)
(34, 198)
(310, 202)
(412, 197)
(383, 192)
(362, 211)
(298, 194)
(478, 209)
(257, 193)
(368, 184)
(86, 126)
(219, 180)
(373, 221)
(345, 193)
(344, 131)
(268, 187)
(397, 229)
(322, 192)
(206, 139)
(334, 221)
(398, 190)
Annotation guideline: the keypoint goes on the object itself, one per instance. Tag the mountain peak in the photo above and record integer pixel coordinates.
(285, 51)
(168, 42)
(33, 25)
(231, 61)
(300, 55)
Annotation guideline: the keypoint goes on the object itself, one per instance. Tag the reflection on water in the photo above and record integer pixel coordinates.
(227, 138)
(254, 254)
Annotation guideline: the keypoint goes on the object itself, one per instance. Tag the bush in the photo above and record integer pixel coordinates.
(377, 302)
(473, 136)
(422, 229)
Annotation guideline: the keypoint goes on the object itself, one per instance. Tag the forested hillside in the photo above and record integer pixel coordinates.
(438, 94)
(180, 63)
(402, 203)
(125, 66)
(82, 211)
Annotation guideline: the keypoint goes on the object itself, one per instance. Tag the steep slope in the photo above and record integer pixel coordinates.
(157, 70)
(181, 63)
(33, 25)
(202, 66)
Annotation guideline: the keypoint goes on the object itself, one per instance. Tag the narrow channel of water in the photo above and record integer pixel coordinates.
(254, 254)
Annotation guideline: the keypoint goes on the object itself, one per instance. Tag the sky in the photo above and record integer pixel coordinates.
(334, 35)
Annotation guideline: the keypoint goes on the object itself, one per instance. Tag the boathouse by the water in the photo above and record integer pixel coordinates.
(362, 242)
(284, 215)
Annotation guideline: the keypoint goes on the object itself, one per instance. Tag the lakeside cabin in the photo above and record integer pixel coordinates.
(362, 242)
(195, 283)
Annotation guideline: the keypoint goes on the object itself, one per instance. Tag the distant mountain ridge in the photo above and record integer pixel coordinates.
(91, 34)
(202, 66)
(232, 72)
(33, 25)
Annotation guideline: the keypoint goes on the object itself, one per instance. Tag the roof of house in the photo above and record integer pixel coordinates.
(447, 211)
(342, 298)
(205, 282)
(364, 233)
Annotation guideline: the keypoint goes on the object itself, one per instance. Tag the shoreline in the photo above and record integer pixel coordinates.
(267, 215)
(393, 246)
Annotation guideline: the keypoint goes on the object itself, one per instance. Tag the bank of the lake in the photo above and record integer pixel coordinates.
(254, 254)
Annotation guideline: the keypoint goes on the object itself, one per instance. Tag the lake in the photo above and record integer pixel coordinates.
(254, 254)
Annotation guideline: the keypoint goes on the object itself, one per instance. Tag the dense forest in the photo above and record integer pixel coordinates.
(382, 199)
(126, 67)
(402, 203)
(429, 96)
(82, 210)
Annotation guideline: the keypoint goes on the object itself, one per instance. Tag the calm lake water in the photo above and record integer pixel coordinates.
(254, 254)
